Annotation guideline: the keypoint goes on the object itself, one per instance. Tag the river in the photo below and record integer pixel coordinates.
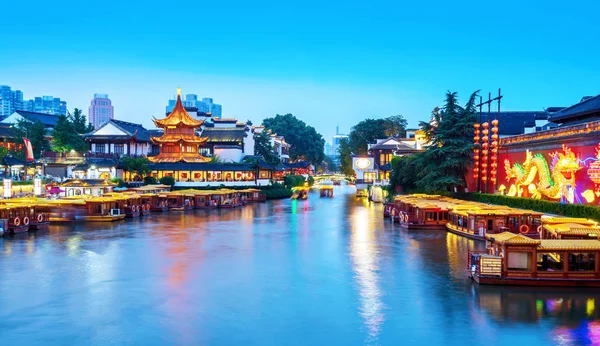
(315, 272)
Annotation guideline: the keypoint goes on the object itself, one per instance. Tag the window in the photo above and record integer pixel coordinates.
(490, 224)
(368, 177)
(119, 149)
(264, 175)
(550, 262)
(385, 158)
(582, 262)
(519, 261)
(101, 148)
(170, 148)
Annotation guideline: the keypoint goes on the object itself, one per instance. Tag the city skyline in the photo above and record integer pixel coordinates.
(350, 64)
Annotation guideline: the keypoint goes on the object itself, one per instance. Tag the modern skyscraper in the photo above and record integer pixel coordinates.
(100, 110)
(335, 141)
(12, 100)
(205, 105)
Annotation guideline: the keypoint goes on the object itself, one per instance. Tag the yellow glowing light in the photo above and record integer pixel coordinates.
(178, 91)
(588, 195)
(590, 306)
(363, 163)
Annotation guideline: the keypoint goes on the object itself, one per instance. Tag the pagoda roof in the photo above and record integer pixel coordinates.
(178, 116)
(178, 138)
(175, 158)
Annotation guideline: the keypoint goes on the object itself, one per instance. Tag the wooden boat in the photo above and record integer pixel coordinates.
(515, 259)
(326, 191)
(154, 202)
(93, 209)
(230, 198)
(422, 211)
(31, 212)
(568, 228)
(253, 196)
(130, 203)
(475, 222)
(17, 216)
(180, 201)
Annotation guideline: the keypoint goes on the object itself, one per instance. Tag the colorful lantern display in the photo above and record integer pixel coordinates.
(476, 139)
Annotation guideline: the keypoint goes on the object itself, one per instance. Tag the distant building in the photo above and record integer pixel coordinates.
(335, 141)
(12, 100)
(100, 111)
(193, 105)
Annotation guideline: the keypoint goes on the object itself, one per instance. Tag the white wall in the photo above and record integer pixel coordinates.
(229, 155)
(109, 129)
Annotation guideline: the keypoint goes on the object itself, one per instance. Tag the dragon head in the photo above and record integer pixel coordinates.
(565, 163)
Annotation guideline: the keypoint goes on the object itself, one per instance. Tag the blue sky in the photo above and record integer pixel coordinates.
(327, 63)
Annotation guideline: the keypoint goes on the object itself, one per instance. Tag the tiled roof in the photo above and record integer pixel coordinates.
(178, 116)
(570, 244)
(182, 166)
(514, 123)
(46, 119)
(587, 106)
(7, 132)
(131, 129)
(13, 161)
(223, 134)
(512, 238)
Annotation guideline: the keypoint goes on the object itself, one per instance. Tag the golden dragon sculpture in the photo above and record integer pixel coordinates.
(554, 182)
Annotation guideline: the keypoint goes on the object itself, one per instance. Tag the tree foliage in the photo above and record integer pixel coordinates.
(35, 132)
(368, 130)
(345, 157)
(444, 163)
(167, 180)
(263, 147)
(136, 165)
(68, 132)
(306, 143)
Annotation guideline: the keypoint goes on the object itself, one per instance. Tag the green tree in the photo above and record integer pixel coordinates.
(443, 165)
(35, 132)
(345, 157)
(136, 165)
(68, 132)
(395, 126)
(306, 143)
(263, 147)
(365, 132)
(166, 180)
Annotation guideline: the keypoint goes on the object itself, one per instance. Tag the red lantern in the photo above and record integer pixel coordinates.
(485, 125)
(495, 122)
(476, 138)
(495, 137)
(476, 125)
(485, 132)
(495, 143)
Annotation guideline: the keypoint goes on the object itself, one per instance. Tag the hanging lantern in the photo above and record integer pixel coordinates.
(476, 157)
(484, 165)
(485, 145)
(493, 165)
(495, 143)
(494, 129)
(476, 169)
(495, 137)
(494, 151)
(495, 122)
(476, 139)
(476, 125)
(485, 125)
(485, 132)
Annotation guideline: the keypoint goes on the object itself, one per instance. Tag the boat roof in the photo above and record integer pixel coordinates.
(151, 187)
(326, 187)
(508, 238)
(570, 245)
(573, 229)
(547, 220)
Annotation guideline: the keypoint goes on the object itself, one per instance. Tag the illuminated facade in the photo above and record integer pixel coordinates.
(561, 164)
(179, 142)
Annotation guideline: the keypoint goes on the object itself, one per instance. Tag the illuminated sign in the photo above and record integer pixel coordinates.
(362, 163)
(7, 188)
(37, 186)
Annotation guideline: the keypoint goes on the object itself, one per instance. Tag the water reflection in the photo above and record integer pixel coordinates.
(364, 253)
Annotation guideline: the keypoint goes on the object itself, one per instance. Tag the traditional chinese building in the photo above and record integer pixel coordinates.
(179, 142)
(560, 164)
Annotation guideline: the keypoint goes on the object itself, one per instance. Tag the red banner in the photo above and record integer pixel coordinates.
(29, 150)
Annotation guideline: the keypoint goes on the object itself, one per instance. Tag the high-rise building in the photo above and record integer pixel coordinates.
(335, 141)
(100, 111)
(12, 100)
(205, 105)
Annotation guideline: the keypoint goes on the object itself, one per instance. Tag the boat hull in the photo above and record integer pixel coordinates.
(486, 280)
(408, 225)
(102, 218)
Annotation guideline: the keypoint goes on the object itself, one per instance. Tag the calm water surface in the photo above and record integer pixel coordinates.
(316, 272)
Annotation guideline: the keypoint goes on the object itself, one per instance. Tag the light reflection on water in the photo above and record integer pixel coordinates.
(315, 272)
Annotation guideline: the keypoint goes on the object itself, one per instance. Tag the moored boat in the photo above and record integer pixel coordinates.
(326, 191)
(515, 259)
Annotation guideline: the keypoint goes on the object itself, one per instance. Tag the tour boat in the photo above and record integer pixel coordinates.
(155, 202)
(178, 201)
(254, 196)
(129, 203)
(97, 209)
(17, 216)
(515, 259)
(475, 222)
(229, 198)
(326, 191)
(30, 211)
(421, 211)
(568, 228)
